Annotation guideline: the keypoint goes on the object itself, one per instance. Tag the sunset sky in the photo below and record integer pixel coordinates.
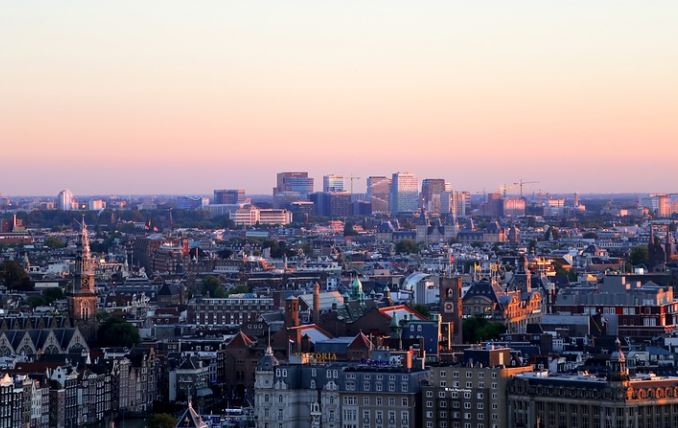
(187, 96)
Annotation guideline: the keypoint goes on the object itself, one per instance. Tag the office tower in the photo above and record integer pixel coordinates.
(663, 206)
(379, 193)
(298, 182)
(333, 183)
(228, 196)
(404, 193)
(431, 193)
(65, 200)
(291, 187)
(513, 207)
(332, 204)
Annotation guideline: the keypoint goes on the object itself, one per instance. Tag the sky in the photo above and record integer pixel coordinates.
(187, 96)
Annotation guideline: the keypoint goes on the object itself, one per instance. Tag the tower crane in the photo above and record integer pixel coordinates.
(521, 183)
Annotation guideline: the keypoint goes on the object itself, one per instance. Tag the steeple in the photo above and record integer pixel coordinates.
(617, 369)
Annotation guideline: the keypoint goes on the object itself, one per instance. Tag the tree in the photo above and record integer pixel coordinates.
(52, 294)
(116, 332)
(54, 242)
(212, 287)
(639, 256)
(161, 420)
(406, 246)
(422, 309)
(478, 329)
(348, 229)
(14, 276)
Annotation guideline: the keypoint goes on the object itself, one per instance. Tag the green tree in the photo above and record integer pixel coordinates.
(117, 332)
(348, 229)
(478, 329)
(639, 256)
(161, 420)
(54, 242)
(212, 287)
(14, 276)
(238, 289)
(406, 246)
(422, 309)
(52, 294)
(35, 301)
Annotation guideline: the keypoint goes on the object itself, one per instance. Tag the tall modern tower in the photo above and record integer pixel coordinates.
(64, 200)
(404, 193)
(291, 187)
(333, 183)
(379, 194)
(431, 193)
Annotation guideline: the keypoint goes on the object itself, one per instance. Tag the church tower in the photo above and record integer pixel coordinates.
(82, 298)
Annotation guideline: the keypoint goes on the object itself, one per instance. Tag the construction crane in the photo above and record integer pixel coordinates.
(521, 183)
(352, 179)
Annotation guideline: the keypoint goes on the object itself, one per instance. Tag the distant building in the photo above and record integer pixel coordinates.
(404, 193)
(291, 187)
(513, 207)
(96, 205)
(228, 196)
(333, 183)
(250, 215)
(379, 194)
(65, 201)
(432, 190)
(332, 204)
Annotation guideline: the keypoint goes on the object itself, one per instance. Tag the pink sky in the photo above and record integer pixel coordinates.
(172, 97)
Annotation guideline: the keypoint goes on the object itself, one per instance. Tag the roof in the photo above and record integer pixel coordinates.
(190, 419)
(399, 312)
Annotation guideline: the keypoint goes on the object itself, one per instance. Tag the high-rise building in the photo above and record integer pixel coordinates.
(290, 187)
(333, 183)
(513, 207)
(663, 206)
(65, 200)
(431, 194)
(404, 193)
(298, 182)
(228, 196)
(334, 204)
(379, 193)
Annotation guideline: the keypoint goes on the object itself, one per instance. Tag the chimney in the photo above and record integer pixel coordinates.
(316, 303)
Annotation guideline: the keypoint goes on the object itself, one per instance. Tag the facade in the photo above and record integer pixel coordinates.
(250, 215)
(513, 207)
(379, 194)
(334, 183)
(290, 187)
(472, 393)
(642, 310)
(228, 196)
(334, 204)
(404, 193)
(432, 190)
(583, 400)
(65, 201)
(227, 311)
(336, 395)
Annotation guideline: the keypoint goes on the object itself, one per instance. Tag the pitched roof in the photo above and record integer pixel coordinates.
(190, 419)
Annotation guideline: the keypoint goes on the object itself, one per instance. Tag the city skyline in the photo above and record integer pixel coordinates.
(578, 96)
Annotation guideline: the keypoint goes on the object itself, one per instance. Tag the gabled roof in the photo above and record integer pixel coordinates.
(360, 342)
(240, 340)
(190, 419)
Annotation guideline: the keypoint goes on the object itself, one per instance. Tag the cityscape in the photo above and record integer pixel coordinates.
(322, 214)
